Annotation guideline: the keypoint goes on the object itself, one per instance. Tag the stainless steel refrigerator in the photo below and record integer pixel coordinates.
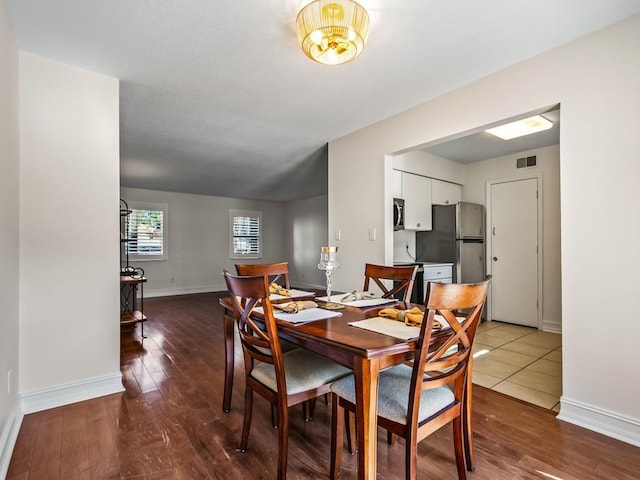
(457, 237)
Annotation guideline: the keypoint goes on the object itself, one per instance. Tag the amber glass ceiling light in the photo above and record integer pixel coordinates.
(333, 31)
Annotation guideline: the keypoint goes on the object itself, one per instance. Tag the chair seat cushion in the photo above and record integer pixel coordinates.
(304, 370)
(393, 394)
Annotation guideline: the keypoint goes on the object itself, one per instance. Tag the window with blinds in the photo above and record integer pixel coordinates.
(146, 233)
(245, 234)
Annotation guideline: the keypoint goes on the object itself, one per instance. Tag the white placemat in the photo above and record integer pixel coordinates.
(394, 328)
(294, 294)
(303, 316)
(367, 302)
(386, 326)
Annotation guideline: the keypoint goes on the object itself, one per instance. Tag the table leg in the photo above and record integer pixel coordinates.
(366, 382)
(228, 322)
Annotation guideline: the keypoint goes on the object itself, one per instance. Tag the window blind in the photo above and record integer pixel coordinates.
(246, 235)
(145, 231)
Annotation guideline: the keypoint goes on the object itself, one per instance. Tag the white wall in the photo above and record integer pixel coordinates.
(595, 79)
(198, 240)
(306, 226)
(548, 165)
(404, 246)
(69, 288)
(9, 238)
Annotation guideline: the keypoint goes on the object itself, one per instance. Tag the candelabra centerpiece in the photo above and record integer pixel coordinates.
(328, 263)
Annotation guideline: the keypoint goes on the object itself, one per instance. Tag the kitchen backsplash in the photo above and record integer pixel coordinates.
(402, 238)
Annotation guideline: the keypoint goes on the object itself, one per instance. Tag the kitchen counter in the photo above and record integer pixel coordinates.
(426, 264)
(436, 264)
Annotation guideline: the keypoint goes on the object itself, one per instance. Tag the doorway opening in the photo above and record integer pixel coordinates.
(519, 347)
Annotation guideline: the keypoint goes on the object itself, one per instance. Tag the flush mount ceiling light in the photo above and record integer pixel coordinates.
(520, 128)
(333, 31)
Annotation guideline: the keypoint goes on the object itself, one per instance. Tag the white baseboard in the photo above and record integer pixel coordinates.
(71, 393)
(610, 424)
(8, 440)
(211, 288)
(148, 293)
(551, 326)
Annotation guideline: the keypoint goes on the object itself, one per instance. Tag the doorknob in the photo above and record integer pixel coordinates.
(495, 259)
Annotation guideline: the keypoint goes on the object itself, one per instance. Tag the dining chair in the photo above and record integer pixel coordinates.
(284, 379)
(276, 272)
(403, 278)
(416, 400)
(467, 422)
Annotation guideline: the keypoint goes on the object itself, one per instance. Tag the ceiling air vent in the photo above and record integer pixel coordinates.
(525, 162)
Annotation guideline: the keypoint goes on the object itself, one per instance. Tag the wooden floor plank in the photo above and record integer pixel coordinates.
(74, 454)
(101, 450)
(169, 424)
(47, 452)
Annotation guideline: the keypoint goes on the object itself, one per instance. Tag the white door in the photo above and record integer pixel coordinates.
(514, 251)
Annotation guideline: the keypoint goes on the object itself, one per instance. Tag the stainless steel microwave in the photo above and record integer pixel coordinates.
(398, 214)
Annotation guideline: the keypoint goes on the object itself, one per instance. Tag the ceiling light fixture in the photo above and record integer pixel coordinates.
(333, 31)
(520, 128)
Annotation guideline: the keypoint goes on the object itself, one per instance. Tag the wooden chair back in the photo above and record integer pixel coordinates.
(260, 341)
(275, 271)
(447, 363)
(310, 375)
(403, 278)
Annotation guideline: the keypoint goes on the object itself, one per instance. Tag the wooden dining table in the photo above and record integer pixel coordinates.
(363, 351)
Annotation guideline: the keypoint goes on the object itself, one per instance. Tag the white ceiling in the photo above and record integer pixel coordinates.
(217, 98)
(480, 145)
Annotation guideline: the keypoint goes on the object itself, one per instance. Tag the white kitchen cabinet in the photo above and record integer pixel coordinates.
(396, 184)
(416, 192)
(445, 193)
(438, 272)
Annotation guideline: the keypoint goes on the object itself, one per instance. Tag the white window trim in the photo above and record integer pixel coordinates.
(161, 207)
(245, 213)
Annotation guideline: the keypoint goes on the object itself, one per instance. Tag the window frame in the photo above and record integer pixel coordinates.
(154, 207)
(233, 213)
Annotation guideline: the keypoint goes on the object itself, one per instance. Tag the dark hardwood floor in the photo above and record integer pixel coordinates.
(169, 424)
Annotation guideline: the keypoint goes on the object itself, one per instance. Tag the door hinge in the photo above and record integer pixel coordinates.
(536, 193)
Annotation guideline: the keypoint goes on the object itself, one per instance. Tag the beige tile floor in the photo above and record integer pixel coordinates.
(521, 362)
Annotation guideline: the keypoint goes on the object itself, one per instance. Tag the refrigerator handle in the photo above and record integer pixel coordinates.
(493, 231)
(457, 267)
